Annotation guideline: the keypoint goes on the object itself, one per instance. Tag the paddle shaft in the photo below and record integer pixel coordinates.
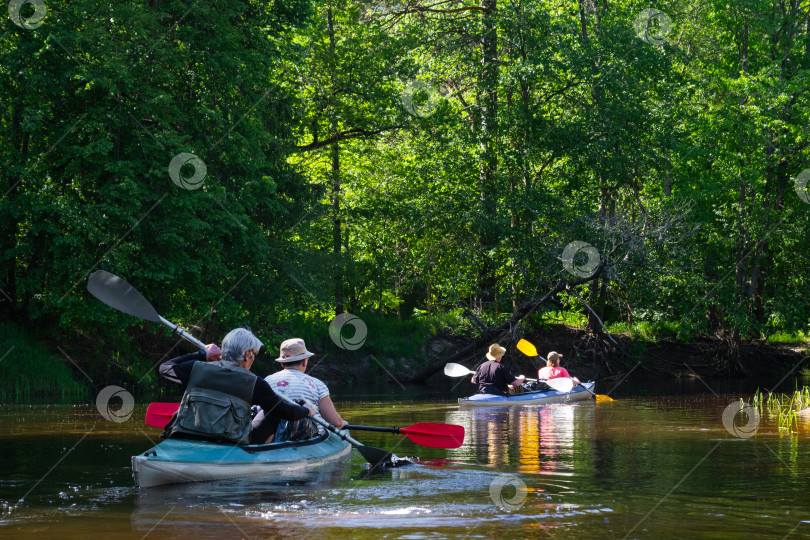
(598, 397)
(180, 332)
(471, 372)
(374, 428)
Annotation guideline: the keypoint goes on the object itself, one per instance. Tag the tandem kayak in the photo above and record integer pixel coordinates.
(181, 460)
(529, 398)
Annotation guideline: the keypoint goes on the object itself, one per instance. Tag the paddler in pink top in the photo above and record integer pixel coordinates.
(553, 369)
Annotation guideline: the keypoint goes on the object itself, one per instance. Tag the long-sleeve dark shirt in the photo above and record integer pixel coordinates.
(493, 378)
(178, 370)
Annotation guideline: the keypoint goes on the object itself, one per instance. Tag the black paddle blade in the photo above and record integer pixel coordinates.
(120, 295)
(375, 456)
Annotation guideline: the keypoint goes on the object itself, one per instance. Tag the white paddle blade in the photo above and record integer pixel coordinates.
(561, 384)
(456, 370)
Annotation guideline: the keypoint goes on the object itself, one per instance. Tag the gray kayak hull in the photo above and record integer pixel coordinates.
(178, 460)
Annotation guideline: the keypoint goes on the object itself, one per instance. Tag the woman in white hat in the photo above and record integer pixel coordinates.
(492, 377)
(553, 369)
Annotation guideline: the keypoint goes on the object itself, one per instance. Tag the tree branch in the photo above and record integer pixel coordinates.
(345, 136)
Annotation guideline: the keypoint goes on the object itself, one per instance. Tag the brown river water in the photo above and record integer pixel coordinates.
(659, 465)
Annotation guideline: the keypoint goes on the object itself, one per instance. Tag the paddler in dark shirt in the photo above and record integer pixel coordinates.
(218, 393)
(493, 377)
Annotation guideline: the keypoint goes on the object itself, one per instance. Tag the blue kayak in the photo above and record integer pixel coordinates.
(181, 460)
(578, 393)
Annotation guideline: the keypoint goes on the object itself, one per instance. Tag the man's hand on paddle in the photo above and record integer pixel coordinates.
(212, 352)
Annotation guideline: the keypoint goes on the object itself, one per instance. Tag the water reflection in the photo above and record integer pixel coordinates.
(534, 439)
(659, 466)
(215, 508)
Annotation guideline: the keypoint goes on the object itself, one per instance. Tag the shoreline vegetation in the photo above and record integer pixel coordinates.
(630, 193)
(74, 368)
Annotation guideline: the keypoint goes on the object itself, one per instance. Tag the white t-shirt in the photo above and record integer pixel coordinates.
(296, 384)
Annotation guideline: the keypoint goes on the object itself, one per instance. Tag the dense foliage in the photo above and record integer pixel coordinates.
(407, 156)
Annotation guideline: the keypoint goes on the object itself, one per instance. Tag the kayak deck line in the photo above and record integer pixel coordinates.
(250, 448)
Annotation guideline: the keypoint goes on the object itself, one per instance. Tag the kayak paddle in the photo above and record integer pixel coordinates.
(159, 414)
(562, 384)
(600, 398)
(120, 295)
(428, 434)
(530, 350)
(425, 433)
(526, 348)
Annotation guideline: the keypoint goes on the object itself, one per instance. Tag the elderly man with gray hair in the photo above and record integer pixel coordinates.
(218, 393)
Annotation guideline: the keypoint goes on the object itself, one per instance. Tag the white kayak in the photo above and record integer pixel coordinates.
(578, 393)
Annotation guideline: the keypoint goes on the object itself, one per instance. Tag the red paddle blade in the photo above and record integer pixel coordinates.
(435, 435)
(159, 414)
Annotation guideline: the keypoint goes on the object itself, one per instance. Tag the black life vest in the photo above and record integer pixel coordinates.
(216, 404)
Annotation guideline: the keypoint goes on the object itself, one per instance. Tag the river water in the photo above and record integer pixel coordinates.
(646, 466)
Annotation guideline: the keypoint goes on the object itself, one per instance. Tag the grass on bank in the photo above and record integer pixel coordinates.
(647, 330)
(29, 371)
(650, 331)
(384, 337)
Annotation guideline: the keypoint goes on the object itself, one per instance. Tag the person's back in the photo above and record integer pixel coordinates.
(218, 393)
(492, 377)
(297, 385)
(216, 403)
(553, 370)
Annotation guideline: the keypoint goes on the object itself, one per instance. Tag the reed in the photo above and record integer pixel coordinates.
(30, 372)
(784, 408)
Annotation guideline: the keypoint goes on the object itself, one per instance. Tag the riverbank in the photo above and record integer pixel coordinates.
(392, 354)
(623, 355)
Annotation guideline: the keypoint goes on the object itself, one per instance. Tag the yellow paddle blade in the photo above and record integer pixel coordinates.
(526, 348)
(602, 398)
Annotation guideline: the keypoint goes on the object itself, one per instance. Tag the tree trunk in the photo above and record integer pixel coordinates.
(488, 166)
(336, 229)
(10, 228)
(335, 178)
